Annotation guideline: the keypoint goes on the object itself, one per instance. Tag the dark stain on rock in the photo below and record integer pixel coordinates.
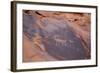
(28, 23)
(62, 41)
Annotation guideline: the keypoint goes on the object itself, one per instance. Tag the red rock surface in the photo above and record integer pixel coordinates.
(33, 47)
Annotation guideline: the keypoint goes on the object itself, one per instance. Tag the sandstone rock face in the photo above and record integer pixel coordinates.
(52, 36)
